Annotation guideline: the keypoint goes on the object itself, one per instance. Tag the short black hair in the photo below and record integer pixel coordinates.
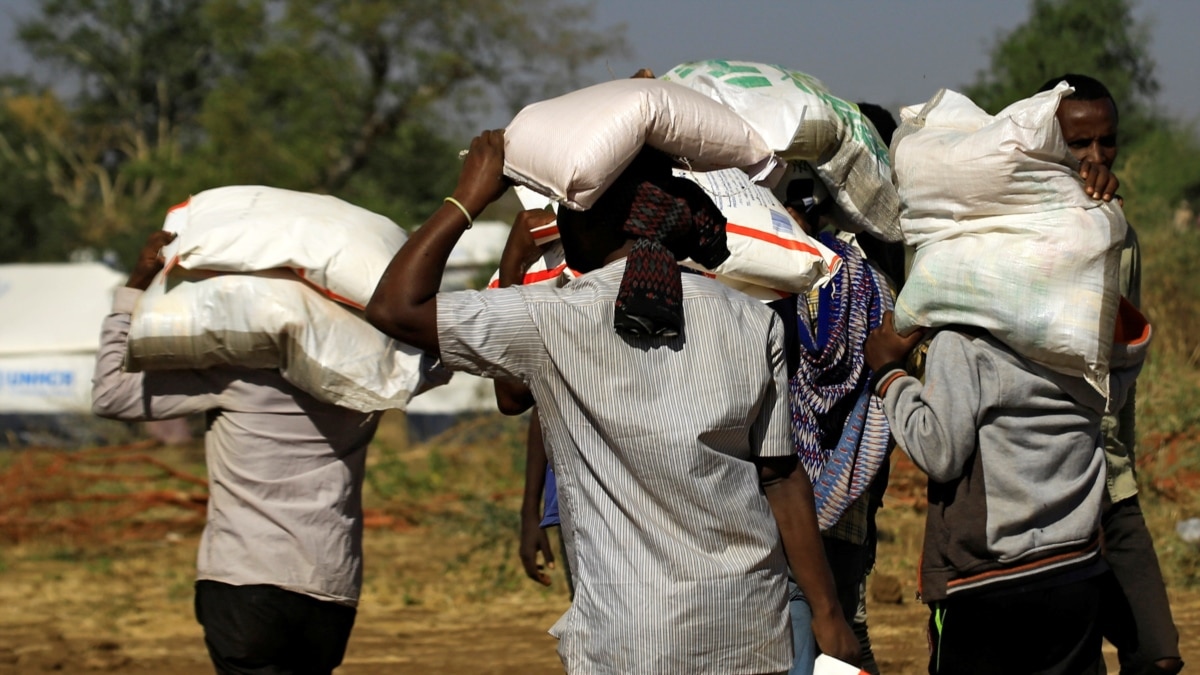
(883, 120)
(1086, 88)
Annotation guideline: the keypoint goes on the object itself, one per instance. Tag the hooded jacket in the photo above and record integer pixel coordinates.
(1014, 456)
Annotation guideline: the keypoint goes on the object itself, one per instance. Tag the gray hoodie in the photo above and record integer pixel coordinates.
(1014, 457)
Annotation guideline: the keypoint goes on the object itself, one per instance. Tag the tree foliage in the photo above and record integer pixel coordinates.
(365, 99)
(1100, 38)
(1159, 159)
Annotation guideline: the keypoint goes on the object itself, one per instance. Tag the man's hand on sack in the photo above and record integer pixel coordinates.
(150, 260)
(1099, 182)
(520, 251)
(482, 179)
(885, 345)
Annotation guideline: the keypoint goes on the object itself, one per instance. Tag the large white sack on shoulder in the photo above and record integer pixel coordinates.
(801, 120)
(340, 248)
(571, 148)
(766, 246)
(1043, 283)
(954, 161)
(275, 320)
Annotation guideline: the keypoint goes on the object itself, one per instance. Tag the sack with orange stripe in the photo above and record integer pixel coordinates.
(769, 255)
(272, 319)
(767, 248)
(259, 277)
(337, 247)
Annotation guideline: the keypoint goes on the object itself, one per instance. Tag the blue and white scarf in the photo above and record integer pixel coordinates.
(838, 426)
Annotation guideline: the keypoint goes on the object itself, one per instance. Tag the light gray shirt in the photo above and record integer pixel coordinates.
(285, 470)
(677, 558)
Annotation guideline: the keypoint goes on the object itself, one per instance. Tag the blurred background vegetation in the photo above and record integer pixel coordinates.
(144, 102)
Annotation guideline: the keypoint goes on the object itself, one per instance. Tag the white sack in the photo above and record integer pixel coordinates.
(340, 248)
(274, 320)
(1006, 239)
(799, 119)
(769, 254)
(571, 148)
(766, 246)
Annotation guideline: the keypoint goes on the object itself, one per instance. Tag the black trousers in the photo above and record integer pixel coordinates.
(1136, 615)
(1050, 630)
(265, 630)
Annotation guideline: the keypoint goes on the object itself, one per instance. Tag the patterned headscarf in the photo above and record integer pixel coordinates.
(839, 427)
(670, 219)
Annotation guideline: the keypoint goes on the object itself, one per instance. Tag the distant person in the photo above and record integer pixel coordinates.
(662, 397)
(1137, 613)
(280, 564)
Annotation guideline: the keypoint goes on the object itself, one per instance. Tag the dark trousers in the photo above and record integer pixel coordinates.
(265, 630)
(1049, 630)
(1135, 616)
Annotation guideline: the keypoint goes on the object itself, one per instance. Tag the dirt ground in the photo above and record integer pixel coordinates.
(127, 609)
(443, 591)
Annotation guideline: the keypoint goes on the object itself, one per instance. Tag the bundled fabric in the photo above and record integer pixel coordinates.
(1006, 238)
(800, 120)
(275, 320)
(571, 148)
(339, 248)
(841, 435)
(667, 219)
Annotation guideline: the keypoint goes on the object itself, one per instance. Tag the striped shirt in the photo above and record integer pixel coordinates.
(677, 558)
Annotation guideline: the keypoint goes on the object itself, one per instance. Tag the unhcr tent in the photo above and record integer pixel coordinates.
(50, 333)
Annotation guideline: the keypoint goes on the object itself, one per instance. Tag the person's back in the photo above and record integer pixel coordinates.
(664, 429)
(280, 563)
(662, 398)
(1011, 562)
(1016, 475)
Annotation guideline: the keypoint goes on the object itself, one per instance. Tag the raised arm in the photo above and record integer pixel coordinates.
(404, 305)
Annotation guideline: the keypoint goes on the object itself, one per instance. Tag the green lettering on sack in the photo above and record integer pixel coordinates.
(749, 81)
(719, 69)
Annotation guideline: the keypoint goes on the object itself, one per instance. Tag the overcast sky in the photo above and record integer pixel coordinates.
(892, 52)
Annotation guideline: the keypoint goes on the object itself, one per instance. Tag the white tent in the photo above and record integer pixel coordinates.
(49, 334)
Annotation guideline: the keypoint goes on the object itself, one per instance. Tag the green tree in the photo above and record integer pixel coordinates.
(365, 99)
(1094, 37)
(1158, 165)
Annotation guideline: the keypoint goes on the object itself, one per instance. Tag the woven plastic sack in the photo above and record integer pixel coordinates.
(769, 254)
(1005, 237)
(571, 148)
(275, 320)
(767, 247)
(339, 248)
(799, 119)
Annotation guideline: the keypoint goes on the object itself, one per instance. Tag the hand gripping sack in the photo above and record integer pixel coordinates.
(571, 148)
(800, 120)
(339, 248)
(275, 320)
(1005, 237)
